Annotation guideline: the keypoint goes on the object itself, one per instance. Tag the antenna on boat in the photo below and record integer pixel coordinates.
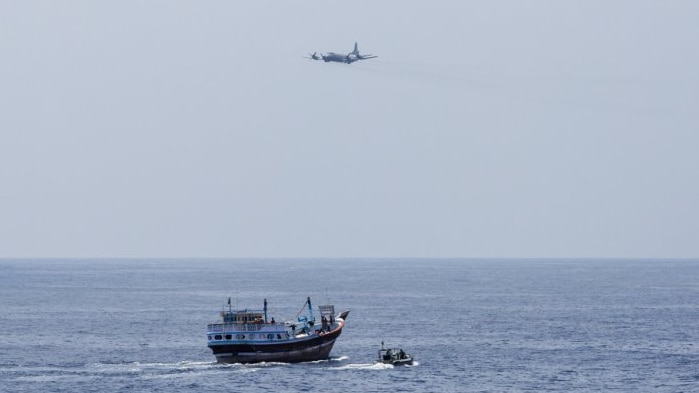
(229, 304)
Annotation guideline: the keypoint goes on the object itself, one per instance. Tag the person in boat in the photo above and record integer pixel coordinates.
(272, 321)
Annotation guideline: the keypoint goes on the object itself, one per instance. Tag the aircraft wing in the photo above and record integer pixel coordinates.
(365, 57)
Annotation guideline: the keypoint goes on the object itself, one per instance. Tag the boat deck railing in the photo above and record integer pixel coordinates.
(247, 327)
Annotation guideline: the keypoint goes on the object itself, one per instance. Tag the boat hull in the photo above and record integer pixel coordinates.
(312, 348)
(402, 362)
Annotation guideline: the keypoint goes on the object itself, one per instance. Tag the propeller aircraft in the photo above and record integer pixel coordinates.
(340, 58)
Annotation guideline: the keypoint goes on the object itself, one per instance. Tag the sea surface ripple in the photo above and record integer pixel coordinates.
(473, 325)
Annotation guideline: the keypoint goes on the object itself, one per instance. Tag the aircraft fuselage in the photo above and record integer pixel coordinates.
(336, 57)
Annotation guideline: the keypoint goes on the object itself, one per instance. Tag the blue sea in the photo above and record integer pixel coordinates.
(473, 325)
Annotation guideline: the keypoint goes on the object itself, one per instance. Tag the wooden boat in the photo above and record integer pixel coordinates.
(248, 336)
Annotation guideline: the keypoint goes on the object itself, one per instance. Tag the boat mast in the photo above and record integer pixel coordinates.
(265, 310)
(310, 309)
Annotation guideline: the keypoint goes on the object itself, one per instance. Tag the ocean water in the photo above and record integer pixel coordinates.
(472, 325)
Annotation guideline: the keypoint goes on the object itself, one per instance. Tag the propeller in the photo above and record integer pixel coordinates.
(314, 56)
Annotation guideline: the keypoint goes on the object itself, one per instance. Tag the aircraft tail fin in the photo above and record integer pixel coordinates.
(354, 55)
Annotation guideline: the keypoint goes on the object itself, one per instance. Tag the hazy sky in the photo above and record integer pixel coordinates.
(485, 129)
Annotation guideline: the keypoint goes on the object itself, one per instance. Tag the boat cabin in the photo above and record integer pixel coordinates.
(243, 316)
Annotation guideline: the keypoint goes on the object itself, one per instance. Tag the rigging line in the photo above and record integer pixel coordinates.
(300, 311)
